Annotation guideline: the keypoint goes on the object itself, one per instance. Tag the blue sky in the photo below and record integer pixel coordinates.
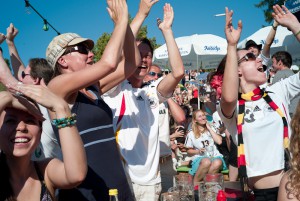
(90, 19)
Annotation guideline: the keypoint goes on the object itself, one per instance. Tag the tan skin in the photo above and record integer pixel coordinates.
(20, 119)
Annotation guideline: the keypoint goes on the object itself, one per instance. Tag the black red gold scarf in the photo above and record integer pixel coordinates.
(254, 95)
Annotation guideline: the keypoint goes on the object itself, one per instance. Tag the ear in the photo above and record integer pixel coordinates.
(36, 81)
(239, 72)
(62, 61)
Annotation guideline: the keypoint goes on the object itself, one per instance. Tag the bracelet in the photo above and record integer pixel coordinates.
(275, 28)
(64, 122)
(296, 34)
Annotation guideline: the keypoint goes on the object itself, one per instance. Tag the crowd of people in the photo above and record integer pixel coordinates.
(72, 128)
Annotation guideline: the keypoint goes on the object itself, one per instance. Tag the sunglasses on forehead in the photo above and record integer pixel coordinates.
(151, 73)
(248, 57)
(82, 49)
(24, 74)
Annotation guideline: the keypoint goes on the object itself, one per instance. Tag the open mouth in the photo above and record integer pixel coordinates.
(261, 69)
(20, 140)
(143, 67)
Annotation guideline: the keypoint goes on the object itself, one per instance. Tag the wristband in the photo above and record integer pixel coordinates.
(296, 34)
(64, 122)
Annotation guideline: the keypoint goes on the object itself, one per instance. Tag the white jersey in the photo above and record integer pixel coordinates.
(136, 114)
(205, 140)
(48, 147)
(263, 128)
(164, 129)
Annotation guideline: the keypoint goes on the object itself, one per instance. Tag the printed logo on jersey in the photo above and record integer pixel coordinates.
(153, 101)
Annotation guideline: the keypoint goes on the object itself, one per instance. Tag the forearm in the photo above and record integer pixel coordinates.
(15, 59)
(176, 64)
(129, 63)
(113, 50)
(269, 40)
(6, 77)
(137, 22)
(230, 84)
(74, 157)
(176, 111)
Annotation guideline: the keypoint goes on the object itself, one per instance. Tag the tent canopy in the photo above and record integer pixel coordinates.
(197, 51)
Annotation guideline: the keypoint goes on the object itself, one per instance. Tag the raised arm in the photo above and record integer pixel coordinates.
(144, 9)
(287, 19)
(16, 62)
(230, 84)
(176, 111)
(130, 60)
(71, 82)
(269, 40)
(6, 77)
(168, 84)
(72, 170)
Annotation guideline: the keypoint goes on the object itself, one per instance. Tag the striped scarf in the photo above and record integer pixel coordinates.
(254, 95)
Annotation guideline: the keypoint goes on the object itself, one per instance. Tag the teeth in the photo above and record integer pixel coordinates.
(20, 140)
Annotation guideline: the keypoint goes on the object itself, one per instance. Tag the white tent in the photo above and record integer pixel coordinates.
(198, 51)
(284, 41)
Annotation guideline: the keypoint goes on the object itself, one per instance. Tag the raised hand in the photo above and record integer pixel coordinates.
(145, 6)
(118, 10)
(42, 95)
(168, 18)
(284, 17)
(232, 35)
(11, 33)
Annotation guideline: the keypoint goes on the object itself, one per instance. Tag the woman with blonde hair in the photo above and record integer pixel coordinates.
(200, 142)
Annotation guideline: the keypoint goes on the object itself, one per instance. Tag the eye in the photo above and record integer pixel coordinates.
(9, 120)
(31, 121)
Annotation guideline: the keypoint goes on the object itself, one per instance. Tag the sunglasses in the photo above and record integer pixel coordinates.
(24, 74)
(151, 73)
(248, 57)
(78, 48)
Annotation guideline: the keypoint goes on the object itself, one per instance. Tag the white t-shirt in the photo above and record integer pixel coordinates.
(164, 129)
(48, 147)
(136, 114)
(263, 128)
(205, 140)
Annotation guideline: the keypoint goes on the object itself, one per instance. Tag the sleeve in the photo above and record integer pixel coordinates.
(265, 59)
(160, 97)
(189, 141)
(288, 88)
(230, 124)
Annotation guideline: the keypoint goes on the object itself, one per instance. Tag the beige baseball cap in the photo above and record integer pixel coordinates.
(58, 45)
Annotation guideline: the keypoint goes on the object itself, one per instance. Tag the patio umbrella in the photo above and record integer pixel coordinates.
(205, 51)
(284, 41)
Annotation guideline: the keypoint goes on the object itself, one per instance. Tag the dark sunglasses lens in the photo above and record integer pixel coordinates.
(152, 73)
(23, 74)
(159, 74)
(83, 49)
(251, 56)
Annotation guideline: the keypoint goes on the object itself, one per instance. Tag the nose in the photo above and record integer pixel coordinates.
(22, 126)
(91, 54)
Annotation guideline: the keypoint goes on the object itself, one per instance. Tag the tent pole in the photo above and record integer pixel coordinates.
(198, 84)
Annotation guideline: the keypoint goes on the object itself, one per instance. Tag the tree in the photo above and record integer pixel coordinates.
(268, 5)
(100, 46)
(104, 38)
